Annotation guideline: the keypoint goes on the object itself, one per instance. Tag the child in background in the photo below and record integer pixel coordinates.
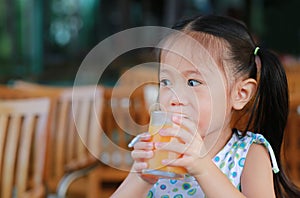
(211, 74)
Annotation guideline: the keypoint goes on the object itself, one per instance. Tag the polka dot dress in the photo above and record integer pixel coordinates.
(230, 160)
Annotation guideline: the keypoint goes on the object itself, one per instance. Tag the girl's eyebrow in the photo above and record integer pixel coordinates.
(190, 72)
(185, 73)
(163, 71)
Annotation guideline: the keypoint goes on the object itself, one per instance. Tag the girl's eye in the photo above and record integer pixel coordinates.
(165, 82)
(193, 83)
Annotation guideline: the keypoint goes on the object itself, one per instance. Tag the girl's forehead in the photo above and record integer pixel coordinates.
(179, 64)
(196, 47)
(193, 52)
(197, 61)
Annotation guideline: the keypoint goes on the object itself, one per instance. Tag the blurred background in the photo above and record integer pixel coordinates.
(45, 41)
(40, 38)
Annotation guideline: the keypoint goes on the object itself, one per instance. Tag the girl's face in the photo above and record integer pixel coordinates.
(193, 85)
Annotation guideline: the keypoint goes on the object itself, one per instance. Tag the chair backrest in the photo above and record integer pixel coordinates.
(11, 93)
(151, 92)
(125, 115)
(138, 76)
(292, 135)
(292, 145)
(293, 77)
(74, 127)
(23, 124)
(77, 127)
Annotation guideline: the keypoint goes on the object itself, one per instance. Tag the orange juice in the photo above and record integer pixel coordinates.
(155, 166)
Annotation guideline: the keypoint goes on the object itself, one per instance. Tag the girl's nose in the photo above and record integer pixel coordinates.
(173, 97)
(177, 100)
(176, 103)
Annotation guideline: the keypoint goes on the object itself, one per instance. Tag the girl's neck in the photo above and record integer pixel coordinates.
(215, 141)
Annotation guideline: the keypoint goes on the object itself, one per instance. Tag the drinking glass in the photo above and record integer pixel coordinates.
(162, 120)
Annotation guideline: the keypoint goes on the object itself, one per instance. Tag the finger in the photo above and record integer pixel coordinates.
(180, 133)
(143, 146)
(139, 166)
(180, 148)
(140, 155)
(196, 150)
(176, 147)
(141, 137)
(184, 122)
(145, 136)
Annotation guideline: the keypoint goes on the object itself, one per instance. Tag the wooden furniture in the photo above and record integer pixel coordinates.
(74, 140)
(151, 95)
(23, 124)
(292, 137)
(10, 93)
(124, 117)
(292, 145)
(139, 76)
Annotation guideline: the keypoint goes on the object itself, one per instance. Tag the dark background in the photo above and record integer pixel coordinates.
(46, 40)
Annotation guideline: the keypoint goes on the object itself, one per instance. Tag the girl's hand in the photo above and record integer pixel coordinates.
(143, 150)
(191, 146)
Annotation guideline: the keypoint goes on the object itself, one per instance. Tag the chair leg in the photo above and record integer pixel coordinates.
(94, 187)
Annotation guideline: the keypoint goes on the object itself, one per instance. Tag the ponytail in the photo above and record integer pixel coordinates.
(270, 113)
(271, 101)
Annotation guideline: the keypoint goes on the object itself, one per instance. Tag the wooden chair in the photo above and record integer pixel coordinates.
(139, 76)
(151, 94)
(292, 137)
(124, 116)
(11, 93)
(23, 124)
(292, 145)
(75, 132)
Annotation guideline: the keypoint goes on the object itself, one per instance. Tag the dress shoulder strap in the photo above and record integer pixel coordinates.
(260, 139)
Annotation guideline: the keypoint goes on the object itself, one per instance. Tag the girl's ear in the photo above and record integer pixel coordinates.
(243, 92)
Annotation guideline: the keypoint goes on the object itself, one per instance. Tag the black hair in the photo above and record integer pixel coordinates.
(270, 106)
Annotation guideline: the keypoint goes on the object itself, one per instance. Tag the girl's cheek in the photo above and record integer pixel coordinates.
(164, 98)
(202, 128)
(204, 122)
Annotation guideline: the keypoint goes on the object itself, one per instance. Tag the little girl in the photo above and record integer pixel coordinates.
(213, 72)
